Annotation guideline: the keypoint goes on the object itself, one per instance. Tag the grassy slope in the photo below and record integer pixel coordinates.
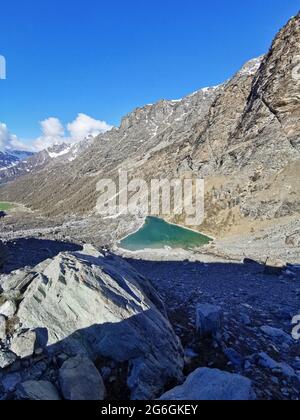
(5, 206)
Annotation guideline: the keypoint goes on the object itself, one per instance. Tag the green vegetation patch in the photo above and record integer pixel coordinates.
(6, 206)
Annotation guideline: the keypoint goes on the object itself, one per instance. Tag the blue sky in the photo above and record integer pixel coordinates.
(104, 58)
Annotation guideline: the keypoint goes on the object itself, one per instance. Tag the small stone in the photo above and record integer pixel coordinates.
(8, 309)
(274, 267)
(296, 363)
(247, 365)
(209, 319)
(275, 333)
(245, 319)
(7, 358)
(37, 391)
(290, 274)
(275, 380)
(23, 344)
(80, 380)
(234, 357)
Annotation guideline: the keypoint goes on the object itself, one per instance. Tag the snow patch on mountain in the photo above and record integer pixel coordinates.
(251, 67)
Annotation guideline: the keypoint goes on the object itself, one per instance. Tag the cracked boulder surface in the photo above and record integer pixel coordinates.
(93, 304)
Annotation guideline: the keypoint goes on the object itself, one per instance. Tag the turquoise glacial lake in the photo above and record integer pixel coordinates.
(158, 234)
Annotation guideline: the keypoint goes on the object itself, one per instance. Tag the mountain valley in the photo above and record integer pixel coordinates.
(171, 322)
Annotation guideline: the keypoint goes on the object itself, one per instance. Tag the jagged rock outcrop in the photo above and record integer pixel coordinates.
(271, 118)
(99, 306)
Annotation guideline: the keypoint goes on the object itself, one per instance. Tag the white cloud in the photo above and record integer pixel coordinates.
(53, 132)
(52, 127)
(85, 126)
(82, 127)
(4, 136)
(9, 141)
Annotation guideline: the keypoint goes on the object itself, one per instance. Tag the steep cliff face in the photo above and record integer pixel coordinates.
(270, 122)
(214, 141)
(264, 148)
(243, 137)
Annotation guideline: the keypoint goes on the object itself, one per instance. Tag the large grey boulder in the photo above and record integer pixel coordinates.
(212, 385)
(81, 381)
(208, 319)
(37, 391)
(23, 344)
(97, 304)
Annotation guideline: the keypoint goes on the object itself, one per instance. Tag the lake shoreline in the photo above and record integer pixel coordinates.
(156, 234)
(170, 223)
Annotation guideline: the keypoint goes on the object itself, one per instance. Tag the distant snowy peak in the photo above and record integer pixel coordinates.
(12, 166)
(10, 158)
(203, 91)
(248, 69)
(20, 154)
(58, 150)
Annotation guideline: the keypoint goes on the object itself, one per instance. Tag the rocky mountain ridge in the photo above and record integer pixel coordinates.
(241, 137)
(10, 158)
(30, 163)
